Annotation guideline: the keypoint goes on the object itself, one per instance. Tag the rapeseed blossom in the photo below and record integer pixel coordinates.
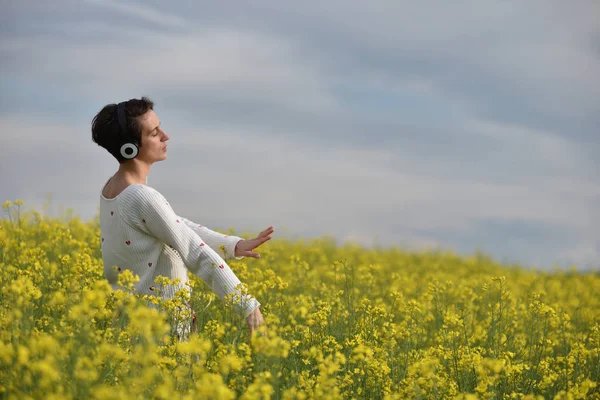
(343, 322)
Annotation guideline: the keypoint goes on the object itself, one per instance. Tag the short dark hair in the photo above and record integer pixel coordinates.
(105, 125)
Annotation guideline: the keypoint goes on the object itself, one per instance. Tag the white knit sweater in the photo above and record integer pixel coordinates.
(141, 232)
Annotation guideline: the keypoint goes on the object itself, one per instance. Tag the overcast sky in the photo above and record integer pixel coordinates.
(457, 125)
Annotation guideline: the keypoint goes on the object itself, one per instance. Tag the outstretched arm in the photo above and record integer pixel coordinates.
(221, 243)
(151, 213)
(230, 246)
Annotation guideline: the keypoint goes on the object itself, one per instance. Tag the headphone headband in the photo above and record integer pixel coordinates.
(122, 119)
(129, 147)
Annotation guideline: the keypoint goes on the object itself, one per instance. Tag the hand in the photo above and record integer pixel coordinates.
(244, 248)
(256, 320)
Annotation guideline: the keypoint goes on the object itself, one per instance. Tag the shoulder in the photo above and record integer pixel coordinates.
(140, 194)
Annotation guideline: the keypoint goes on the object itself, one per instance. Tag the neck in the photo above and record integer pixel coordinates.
(134, 171)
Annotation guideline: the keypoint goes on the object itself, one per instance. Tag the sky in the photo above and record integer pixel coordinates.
(465, 126)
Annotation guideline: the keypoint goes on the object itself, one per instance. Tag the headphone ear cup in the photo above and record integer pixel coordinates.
(129, 150)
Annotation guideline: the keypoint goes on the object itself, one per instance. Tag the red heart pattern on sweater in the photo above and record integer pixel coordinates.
(128, 243)
(177, 220)
(201, 244)
(149, 264)
(221, 266)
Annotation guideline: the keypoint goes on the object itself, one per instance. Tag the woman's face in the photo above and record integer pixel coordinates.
(154, 139)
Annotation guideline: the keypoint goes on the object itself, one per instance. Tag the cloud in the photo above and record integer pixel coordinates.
(143, 12)
(222, 64)
(394, 124)
(584, 255)
(219, 179)
(530, 64)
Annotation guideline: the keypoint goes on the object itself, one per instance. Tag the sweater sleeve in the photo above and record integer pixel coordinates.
(219, 242)
(147, 210)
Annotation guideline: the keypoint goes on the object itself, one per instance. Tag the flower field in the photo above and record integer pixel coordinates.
(343, 322)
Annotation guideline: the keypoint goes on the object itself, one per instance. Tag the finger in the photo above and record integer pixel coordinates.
(250, 254)
(258, 241)
(262, 234)
(267, 231)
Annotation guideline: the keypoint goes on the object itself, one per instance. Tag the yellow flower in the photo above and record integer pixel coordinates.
(343, 322)
(23, 354)
(230, 363)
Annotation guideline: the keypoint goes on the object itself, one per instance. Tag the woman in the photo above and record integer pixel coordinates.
(139, 229)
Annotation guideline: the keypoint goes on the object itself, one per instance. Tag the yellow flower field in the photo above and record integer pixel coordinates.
(343, 322)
